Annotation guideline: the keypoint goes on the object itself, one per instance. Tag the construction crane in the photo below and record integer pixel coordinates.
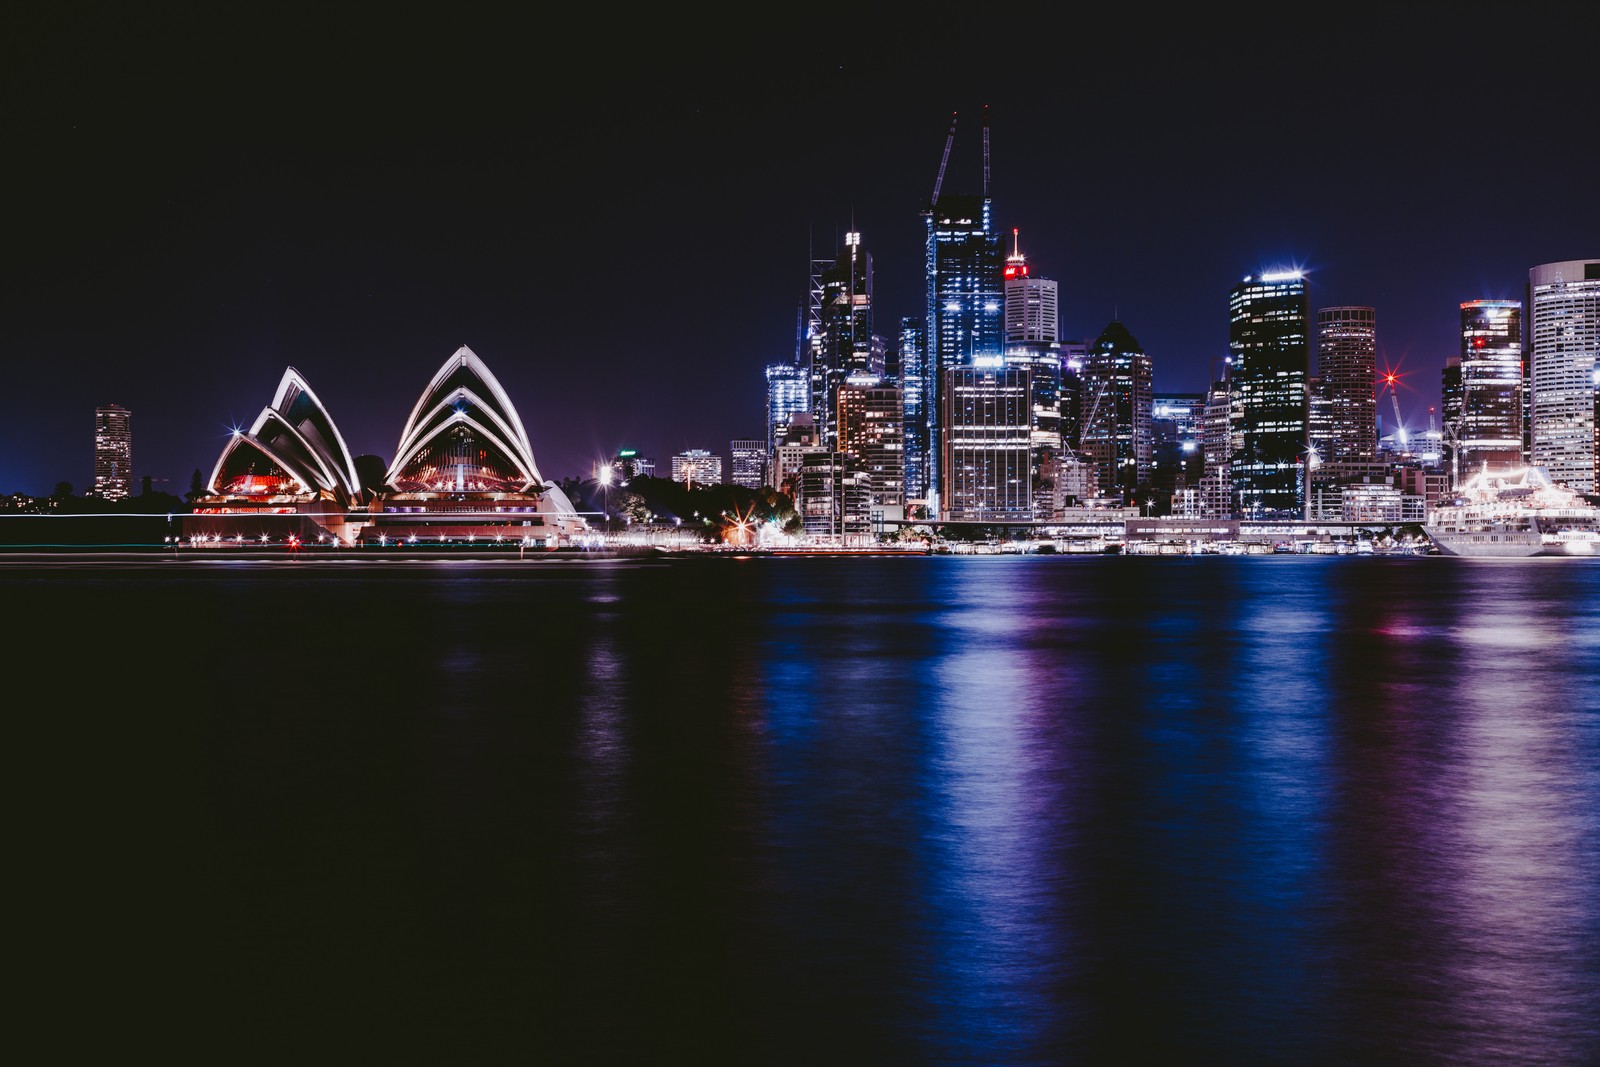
(986, 151)
(944, 161)
(1399, 424)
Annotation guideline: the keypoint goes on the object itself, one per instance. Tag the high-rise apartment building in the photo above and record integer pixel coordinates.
(1563, 335)
(113, 452)
(987, 444)
(1270, 346)
(747, 463)
(1488, 431)
(871, 428)
(1033, 340)
(696, 466)
(1115, 432)
(1032, 312)
(1347, 374)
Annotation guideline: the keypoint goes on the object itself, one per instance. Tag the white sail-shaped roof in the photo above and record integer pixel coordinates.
(464, 427)
(295, 444)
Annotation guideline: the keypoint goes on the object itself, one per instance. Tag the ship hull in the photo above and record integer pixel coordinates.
(1508, 544)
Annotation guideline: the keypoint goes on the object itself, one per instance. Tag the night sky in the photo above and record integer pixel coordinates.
(616, 213)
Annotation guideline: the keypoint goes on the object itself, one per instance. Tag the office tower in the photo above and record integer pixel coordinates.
(1115, 432)
(1031, 309)
(747, 461)
(871, 428)
(835, 497)
(964, 296)
(696, 466)
(1073, 353)
(1489, 427)
(1032, 340)
(1269, 343)
(913, 380)
(987, 443)
(1564, 333)
(799, 440)
(844, 343)
(113, 452)
(1450, 408)
(1177, 423)
(1347, 373)
(788, 395)
(1217, 445)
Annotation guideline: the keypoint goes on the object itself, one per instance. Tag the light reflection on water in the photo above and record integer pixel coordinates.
(955, 810)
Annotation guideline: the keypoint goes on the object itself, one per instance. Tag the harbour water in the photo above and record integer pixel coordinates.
(966, 810)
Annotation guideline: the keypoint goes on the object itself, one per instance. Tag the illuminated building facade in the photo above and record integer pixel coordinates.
(965, 304)
(1177, 423)
(844, 343)
(1347, 374)
(1117, 402)
(1489, 428)
(871, 428)
(835, 497)
(463, 471)
(696, 466)
(788, 395)
(987, 444)
(113, 452)
(1269, 345)
(914, 390)
(1033, 341)
(1564, 334)
(747, 463)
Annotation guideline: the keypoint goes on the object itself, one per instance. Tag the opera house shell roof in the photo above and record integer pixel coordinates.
(463, 469)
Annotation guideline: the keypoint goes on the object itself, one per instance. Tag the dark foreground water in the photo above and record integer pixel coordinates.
(991, 810)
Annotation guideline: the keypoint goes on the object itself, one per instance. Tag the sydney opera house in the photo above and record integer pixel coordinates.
(463, 472)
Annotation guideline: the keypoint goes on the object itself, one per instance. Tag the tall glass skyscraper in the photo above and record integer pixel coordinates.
(914, 389)
(1564, 333)
(966, 304)
(1269, 343)
(1117, 403)
(1488, 431)
(844, 344)
(788, 395)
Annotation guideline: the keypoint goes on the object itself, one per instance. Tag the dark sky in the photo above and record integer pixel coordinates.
(616, 214)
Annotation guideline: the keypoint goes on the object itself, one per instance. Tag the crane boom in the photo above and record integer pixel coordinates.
(1399, 424)
(986, 151)
(943, 161)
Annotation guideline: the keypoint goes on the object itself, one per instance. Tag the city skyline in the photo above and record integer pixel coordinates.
(198, 222)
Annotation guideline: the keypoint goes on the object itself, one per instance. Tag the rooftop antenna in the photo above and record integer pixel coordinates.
(943, 162)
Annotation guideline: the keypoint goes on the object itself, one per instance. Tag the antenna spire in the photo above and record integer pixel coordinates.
(986, 151)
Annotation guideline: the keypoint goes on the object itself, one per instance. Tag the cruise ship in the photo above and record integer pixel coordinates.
(1516, 513)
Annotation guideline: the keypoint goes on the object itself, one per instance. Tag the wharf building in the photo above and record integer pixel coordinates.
(1563, 338)
(463, 471)
(1269, 344)
(113, 452)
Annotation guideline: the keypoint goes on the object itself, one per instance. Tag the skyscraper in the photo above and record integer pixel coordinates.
(987, 449)
(747, 462)
(788, 395)
(844, 344)
(696, 466)
(1564, 333)
(1269, 344)
(113, 452)
(1117, 399)
(1489, 431)
(965, 301)
(871, 428)
(1032, 340)
(914, 393)
(1347, 373)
